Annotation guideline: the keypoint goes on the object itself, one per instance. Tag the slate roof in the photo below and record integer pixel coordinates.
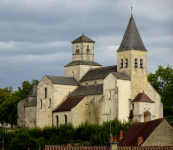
(121, 75)
(98, 73)
(131, 39)
(87, 90)
(63, 80)
(146, 148)
(83, 38)
(143, 129)
(68, 104)
(83, 62)
(142, 97)
(33, 102)
(60, 147)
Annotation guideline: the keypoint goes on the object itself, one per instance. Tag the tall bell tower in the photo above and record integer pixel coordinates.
(132, 59)
(83, 58)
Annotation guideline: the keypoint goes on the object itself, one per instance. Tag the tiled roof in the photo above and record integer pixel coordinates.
(33, 102)
(131, 39)
(82, 62)
(146, 148)
(142, 97)
(83, 38)
(143, 129)
(121, 75)
(56, 147)
(98, 73)
(87, 90)
(68, 104)
(62, 80)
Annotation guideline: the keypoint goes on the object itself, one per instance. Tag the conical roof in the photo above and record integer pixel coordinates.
(83, 38)
(132, 38)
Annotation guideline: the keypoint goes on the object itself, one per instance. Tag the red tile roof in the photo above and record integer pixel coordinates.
(146, 148)
(142, 97)
(68, 104)
(56, 147)
(139, 129)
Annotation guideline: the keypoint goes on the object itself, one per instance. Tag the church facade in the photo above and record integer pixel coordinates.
(88, 90)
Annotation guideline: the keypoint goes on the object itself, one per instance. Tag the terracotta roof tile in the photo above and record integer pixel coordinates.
(146, 148)
(58, 147)
(139, 129)
(142, 97)
(68, 104)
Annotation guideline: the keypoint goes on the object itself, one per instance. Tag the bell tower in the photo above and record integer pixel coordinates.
(83, 58)
(132, 59)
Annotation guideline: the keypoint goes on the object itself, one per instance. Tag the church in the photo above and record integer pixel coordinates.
(89, 91)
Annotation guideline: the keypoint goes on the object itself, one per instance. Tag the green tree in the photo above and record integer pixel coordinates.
(162, 81)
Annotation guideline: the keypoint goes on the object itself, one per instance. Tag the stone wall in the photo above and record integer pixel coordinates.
(30, 116)
(161, 136)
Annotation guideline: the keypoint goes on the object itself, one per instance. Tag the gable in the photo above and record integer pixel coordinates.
(142, 97)
(139, 129)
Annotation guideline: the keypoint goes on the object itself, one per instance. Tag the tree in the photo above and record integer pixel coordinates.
(162, 81)
(10, 99)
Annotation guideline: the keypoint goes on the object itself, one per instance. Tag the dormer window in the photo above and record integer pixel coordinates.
(77, 51)
(141, 63)
(136, 63)
(121, 63)
(126, 63)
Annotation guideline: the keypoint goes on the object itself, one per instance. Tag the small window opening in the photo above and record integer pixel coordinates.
(110, 111)
(132, 106)
(49, 102)
(65, 119)
(77, 51)
(136, 62)
(73, 73)
(57, 120)
(45, 92)
(86, 84)
(141, 63)
(121, 63)
(88, 51)
(40, 104)
(126, 63)
(109, 95)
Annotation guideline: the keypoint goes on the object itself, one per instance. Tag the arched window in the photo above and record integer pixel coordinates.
(141, 63)
(126, 63)
(88, 51)
(40, 104)
(136, 62)
(57, 120)
(121, 63)
(65, 119)
(45, 92)
(77, 51)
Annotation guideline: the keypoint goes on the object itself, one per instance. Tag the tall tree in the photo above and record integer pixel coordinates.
(162, 81)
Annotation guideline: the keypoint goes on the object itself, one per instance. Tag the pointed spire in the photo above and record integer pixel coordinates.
(131, 39)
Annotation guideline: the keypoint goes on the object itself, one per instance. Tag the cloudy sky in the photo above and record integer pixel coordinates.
(36, 35)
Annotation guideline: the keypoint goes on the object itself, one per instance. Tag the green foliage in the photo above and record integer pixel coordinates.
(10, 99)
(85, 134)
(162, 81)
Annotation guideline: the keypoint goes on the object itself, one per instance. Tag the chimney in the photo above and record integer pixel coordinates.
(110, 138)
(140, 140)
(114, 144)
(120, 134)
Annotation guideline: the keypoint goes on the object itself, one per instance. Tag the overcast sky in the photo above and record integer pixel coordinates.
(36, 35)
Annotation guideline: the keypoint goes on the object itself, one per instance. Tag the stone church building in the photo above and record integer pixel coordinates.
(89, 90)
